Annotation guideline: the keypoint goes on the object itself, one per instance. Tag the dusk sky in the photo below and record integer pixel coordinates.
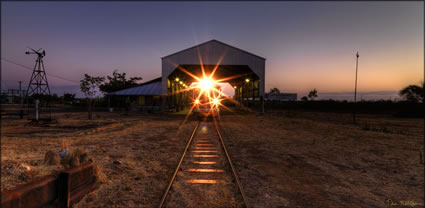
(307, 44)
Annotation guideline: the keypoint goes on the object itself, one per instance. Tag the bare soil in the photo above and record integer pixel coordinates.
(284, 159)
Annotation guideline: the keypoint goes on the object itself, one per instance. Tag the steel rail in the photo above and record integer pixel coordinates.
(178, 166)
(231, 165)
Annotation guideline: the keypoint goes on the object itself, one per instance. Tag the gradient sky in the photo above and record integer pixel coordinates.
(307, 44)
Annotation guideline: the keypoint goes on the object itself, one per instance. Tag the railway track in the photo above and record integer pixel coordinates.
(204, 176)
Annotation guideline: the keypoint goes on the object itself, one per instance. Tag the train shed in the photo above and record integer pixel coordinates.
(244, 71)
(144, 97)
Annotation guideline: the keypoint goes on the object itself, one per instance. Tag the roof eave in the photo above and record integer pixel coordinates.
(213, 41)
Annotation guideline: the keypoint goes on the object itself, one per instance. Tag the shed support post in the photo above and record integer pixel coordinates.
(262, 104)
(163, 103)
(241, 97)
(252, 95)
(171, 105)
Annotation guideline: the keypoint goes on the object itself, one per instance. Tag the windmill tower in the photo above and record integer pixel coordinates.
(38, 84)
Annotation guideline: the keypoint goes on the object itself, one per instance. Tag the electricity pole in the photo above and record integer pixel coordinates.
(355, 88)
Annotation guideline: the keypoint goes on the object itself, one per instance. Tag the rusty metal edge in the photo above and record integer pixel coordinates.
(83, 190)
(178, 166)
(73, 170)
(231, 165)
(18, 191)
(15, 193)
(88, 170)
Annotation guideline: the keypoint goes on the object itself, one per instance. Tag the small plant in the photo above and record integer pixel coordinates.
(77, 157)
(51, 158)
(64, 149)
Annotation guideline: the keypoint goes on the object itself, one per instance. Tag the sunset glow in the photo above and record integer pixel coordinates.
(318, 53)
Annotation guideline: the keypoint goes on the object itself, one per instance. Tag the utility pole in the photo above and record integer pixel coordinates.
(355, 88)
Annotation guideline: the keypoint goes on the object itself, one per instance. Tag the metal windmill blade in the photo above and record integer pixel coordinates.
(35, 51)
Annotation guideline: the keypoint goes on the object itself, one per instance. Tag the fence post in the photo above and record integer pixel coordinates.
(64, 187)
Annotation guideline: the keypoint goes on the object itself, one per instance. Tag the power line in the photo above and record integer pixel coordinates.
(29, 68)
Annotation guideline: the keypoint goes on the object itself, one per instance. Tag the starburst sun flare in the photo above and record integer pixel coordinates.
(208, 87)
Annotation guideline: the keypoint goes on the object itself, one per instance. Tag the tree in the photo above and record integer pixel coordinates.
(67, 97)
(89, 86)
(413, 93)
(304, 98)
(312, 94)
(117, 82)
(274, 91)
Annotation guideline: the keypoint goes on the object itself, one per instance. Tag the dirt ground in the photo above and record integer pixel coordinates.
(284, 159)
(137, 154)
(293, 159)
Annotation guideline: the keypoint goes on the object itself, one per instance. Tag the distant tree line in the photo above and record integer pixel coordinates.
(410, 93)
(411, 104)
(52, 99)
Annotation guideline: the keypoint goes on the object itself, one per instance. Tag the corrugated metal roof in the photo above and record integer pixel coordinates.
(150, 88)
(217, 42)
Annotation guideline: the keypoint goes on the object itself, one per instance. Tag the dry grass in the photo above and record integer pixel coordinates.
(322, 160)
(135, 155)
(283, 159)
